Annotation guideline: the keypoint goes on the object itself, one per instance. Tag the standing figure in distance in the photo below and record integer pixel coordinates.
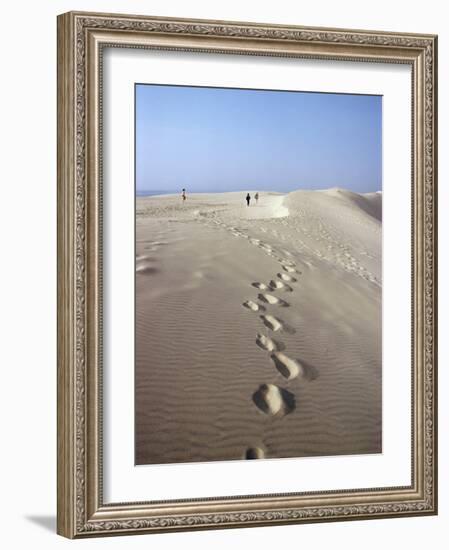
(183, 196)
(248, 198)
(256, 196)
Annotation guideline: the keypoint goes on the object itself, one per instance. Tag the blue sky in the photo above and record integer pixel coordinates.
(222, 139)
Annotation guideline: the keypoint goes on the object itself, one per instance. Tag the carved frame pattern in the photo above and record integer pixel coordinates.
(81, 37)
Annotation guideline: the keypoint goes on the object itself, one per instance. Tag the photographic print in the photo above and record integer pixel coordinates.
(258, 287)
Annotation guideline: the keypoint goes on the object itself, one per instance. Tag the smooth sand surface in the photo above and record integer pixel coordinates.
(258, 329)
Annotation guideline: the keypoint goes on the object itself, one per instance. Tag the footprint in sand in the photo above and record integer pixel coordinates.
(288, 269)
(154, 245)
(260, 286)
(271, 322)
(143, 265)
(272, 300)
(286, 277)
(309, 264)
(279, 285)
(268, 344)
(291, 368)
(145, 269)
(254, 453)
(273, 400)
(249, 304)
(275, 324)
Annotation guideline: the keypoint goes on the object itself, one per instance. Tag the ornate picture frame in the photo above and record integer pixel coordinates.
(82, 38)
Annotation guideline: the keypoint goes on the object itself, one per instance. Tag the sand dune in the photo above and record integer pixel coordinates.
(370, 203)
(258, 330)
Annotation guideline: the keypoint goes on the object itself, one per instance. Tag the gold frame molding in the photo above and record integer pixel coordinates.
(81, 39)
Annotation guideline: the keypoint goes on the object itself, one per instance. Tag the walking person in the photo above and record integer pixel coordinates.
(256, 196)
(183, 196)
(248, 198)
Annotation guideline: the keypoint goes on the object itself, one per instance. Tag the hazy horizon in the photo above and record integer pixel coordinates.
(212, 140)
(156, 192)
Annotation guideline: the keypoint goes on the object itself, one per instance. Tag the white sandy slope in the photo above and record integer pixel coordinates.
(258, 330)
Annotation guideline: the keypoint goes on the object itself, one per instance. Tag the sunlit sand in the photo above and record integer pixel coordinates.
(258, 329)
